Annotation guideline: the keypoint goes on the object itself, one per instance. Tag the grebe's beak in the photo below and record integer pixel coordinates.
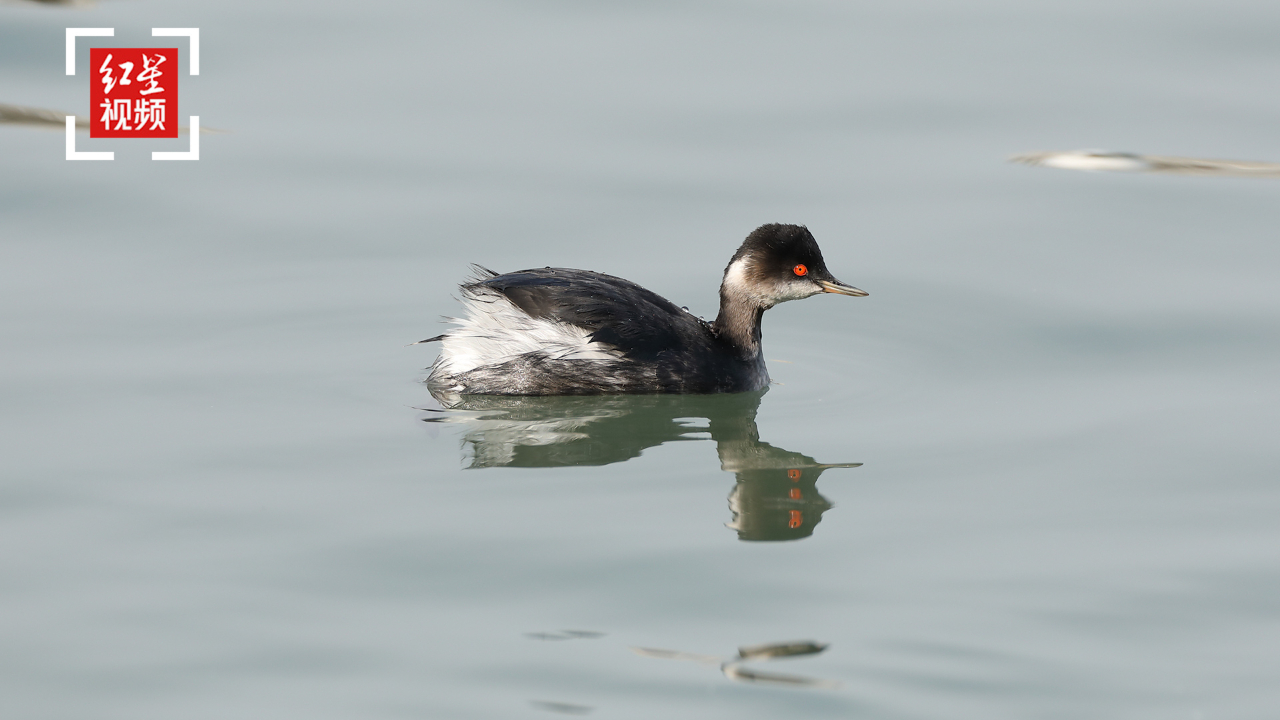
(835, 286)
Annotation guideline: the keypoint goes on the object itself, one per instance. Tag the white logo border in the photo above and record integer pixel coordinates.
(193, 38)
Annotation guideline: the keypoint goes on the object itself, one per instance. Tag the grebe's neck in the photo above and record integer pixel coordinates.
(740, 311)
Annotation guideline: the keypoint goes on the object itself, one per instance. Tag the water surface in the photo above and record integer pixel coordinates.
(227, 494)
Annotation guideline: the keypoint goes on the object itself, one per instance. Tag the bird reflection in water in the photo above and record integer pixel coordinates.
(776, 496)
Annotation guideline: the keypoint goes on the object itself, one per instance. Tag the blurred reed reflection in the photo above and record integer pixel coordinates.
(1109, 161)
(733, 668)
(46, 119)
(776, 496)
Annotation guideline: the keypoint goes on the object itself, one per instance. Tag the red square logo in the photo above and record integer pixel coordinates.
(134, 93)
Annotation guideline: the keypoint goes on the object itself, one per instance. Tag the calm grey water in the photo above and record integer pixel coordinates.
(226, 494)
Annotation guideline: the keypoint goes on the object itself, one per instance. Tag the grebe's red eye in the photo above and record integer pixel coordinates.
(800, 270)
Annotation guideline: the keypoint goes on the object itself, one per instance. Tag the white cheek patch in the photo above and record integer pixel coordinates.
(767, 294)
(795, 291)
(495, 331)
(738, 286)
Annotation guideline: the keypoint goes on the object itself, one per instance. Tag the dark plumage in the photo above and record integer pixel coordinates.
(557, 331)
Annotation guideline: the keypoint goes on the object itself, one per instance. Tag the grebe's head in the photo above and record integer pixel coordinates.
(777, 263)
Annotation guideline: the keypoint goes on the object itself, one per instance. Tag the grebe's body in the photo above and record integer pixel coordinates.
(558, 331)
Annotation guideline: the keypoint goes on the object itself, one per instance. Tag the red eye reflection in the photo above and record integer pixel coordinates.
(800, 270)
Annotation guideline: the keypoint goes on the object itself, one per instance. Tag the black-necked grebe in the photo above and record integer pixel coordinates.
(557, 331)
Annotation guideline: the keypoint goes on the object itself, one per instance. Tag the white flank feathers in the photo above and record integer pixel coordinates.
(495, 331)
